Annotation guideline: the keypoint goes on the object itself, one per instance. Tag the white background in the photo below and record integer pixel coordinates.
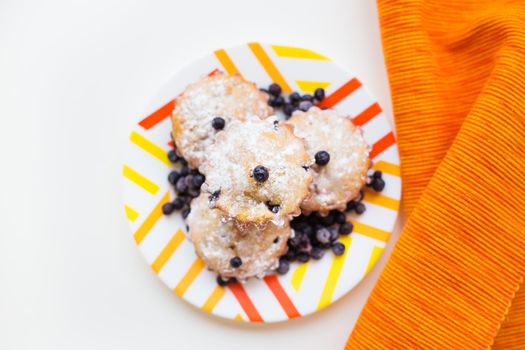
(73, 76)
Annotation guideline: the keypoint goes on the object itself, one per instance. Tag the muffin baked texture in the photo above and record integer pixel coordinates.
(257, 172)
(217, 96)
(222, 245)
(338, 177)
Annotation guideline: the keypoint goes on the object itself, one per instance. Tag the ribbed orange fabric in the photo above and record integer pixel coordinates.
(457, 76)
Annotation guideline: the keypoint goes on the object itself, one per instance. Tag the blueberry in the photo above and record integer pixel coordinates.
(185, 199)
(194, 192)
(188, 180)
(378, 184)
(275, 89)
(307, 97)
(350, 206)
(288, 109)
(278, 102)
(173, 177)
(183, 162)
(377, 174)
(223, 282)
(360, 208)
(340, 217)
(303, 257)
(290, 255)
(308, 230)
(178, 203)
(305, 246)
(294, 98)
(214, 196)
(274, 208)
(235, 262)
(319, 94)
(334, 234)
(323, 235)
(295, 241)
(168, 208)
(198, 180)
(346, 228)
(338, 248)
(185, 213)
(218, 123)
(181, 186)
(328, 220)
(315, 219)
(260, 173)
(184, 170)
(172, 156)
(284, 266)
(305, 105)
(317, 253)
(322, 158)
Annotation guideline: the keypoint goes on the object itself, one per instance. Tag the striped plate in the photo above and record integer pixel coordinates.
(308, 287)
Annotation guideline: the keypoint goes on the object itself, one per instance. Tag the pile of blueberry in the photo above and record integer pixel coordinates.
(293, 101)
(187, 184)
(314, 234)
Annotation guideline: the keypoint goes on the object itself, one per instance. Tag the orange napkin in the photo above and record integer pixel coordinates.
(457, 75)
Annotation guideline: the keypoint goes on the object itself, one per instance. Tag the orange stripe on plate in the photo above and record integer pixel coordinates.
(189, 277)
(158, 116)
(268, 66)
(245, 302)
(213, 72)
(151, 220)
(226, 62)
(370, 231)
(367, 115)
(380, 199)
(168, 251)
(381, 145)
(341, 93)
(388, 168)
(281, 296)
(213, 299)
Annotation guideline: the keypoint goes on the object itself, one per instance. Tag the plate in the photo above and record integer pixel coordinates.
(308, 287)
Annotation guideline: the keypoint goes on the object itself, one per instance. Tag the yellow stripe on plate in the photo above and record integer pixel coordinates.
(168, 251)
(213, 299)
(150, 148)
(238, 317)
(131, 214)
(140, 180)
(370, 231)
(333, 275)
(389, 168)
(381, 200)
(189, 277)
(298, 276)
(268, 66)
(310, 86)
(297, 52)
(374, 256)
(226, 62)
(151, 220)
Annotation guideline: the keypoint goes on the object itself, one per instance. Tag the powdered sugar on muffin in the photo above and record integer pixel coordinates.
(280, 181)
(344, 174)
(217, 96)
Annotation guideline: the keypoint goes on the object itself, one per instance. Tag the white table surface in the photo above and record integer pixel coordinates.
(73, 76)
